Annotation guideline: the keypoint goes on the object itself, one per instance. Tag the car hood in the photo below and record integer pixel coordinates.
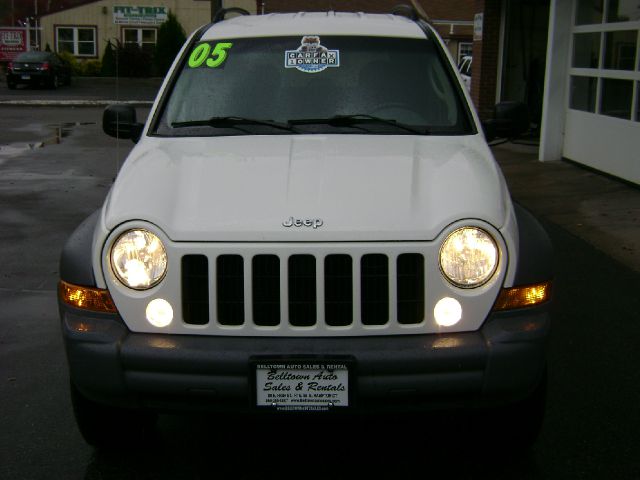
(328, 187)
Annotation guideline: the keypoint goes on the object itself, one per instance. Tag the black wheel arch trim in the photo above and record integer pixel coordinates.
(535, 257)
(76, 259)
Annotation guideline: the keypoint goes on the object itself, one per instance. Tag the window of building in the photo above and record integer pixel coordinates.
(588, 12)
(615, 98)
(623, 11)
(145, 38)
(586, 50)
(79, 41)
(583, 93)
(605, 69)
(620, 50)
(464, 49)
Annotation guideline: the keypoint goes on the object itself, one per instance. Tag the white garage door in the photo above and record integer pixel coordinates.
(602, 127)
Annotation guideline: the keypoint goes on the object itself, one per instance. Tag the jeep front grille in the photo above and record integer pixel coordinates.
(303, 290)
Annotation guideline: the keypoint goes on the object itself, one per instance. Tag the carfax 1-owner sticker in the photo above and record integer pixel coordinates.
(311, 56)
(302, 387)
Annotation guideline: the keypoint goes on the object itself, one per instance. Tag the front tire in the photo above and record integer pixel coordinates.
(11, 85)
(103, 426)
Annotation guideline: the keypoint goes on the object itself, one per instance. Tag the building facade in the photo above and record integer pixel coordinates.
(85, 30)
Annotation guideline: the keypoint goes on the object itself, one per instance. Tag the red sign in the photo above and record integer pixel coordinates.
(12, 42)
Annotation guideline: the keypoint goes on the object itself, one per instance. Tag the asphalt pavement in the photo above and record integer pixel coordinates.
(60, 169)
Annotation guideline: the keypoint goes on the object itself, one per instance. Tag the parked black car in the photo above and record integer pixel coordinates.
(43, 68)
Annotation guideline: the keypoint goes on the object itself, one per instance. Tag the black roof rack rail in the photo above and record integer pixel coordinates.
(414, 11)
(222, 13)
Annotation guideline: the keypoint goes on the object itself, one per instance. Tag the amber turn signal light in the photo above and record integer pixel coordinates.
(526, 296)
(86, 298)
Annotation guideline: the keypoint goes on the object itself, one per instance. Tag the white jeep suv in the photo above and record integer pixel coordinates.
(311, 221)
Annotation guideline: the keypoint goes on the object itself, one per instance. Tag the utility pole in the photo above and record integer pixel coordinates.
(35, 21)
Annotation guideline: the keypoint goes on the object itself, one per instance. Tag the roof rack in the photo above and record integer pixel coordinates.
(222, 13)
(413, 11)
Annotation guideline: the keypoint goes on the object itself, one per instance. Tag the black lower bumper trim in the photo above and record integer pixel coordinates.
(501, 362)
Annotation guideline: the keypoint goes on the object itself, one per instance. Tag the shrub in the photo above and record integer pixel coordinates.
(171, 37)
(91, 68)
(133, 61)
(76, 67)
(108, 68)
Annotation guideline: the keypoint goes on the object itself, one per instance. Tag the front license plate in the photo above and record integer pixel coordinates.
(26, 77)
(302, 387)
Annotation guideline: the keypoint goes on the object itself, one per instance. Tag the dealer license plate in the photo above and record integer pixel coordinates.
(312, 386)
(26, 77)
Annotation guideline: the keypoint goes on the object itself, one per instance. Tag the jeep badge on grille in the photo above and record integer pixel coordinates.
(300, 222)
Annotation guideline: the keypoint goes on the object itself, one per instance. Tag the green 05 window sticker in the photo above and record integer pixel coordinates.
(209, 55)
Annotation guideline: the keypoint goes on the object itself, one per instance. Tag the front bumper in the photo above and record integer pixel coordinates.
(500, 363)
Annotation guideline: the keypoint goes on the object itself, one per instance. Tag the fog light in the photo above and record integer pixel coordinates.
(159, 313)
(447, 312)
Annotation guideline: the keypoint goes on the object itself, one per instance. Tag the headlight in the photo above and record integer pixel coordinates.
(468, 257)
(138, 259)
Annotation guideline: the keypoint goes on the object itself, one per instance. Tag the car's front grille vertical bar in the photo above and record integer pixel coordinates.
(283, 297)
(357, 289)
(248, 290)
(320, 291)
(392, 289)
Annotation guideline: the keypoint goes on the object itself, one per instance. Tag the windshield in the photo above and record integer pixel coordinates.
(313, 84)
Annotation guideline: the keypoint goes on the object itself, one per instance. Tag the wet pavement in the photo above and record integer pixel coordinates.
(84, 90)
(603, 211)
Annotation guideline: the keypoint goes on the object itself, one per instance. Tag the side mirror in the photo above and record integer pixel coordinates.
(510, 119)
(119, 121)
(489, 129)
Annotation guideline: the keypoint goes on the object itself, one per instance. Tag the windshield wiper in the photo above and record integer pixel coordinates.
(233, 122)
(355, 120)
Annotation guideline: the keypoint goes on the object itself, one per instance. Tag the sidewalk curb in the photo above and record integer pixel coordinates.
(73, 103)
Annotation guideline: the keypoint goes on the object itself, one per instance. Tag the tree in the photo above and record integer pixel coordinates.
(108, 61)
(171, 37)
